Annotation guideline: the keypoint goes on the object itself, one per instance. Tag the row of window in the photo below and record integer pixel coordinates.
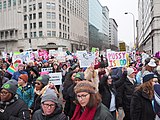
(63, 18)
(32, 16)
(64, 27)
(32, 7)
(64, 10)
(9, 3)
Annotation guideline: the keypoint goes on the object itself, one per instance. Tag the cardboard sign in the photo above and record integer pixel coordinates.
(85, 59)
(56, 78)
(59, 55)
(117, 59)
(49, 69)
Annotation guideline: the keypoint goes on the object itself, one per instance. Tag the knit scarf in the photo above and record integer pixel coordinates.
(88, 113)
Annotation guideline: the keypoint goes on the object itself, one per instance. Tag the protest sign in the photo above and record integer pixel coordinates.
(59, 55)
(49, 69)
(85, 59)
(117, 59)
(56, 78)
(43, 53)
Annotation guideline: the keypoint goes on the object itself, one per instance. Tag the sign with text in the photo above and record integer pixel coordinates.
(49, 69)
(56, 78)
(117, 59)
(85, 59)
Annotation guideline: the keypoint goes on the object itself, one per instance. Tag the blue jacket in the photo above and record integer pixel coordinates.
(26, 94)
(17, 74)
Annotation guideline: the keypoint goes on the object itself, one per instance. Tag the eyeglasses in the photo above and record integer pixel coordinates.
(4, 93)
(37, 83)
(49, 105)
(82, 96)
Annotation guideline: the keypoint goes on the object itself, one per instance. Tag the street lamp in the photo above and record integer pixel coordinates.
(133, 26)
(30, 43)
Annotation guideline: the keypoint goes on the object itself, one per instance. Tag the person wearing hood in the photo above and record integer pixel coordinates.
(12, 108)
(50, 107)
(34, 74)
(19, 72)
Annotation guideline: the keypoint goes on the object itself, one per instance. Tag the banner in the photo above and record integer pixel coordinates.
(85, 59)
(49, 69)
(59, 55)
(56, 78)
(117, 59)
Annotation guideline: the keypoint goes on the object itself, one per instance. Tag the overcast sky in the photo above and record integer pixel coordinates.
(117, 8)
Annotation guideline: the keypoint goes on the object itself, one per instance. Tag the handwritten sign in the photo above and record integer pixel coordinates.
(43, 53)
(85, 59)
(56, 78)
(117, 59)
(49, 69)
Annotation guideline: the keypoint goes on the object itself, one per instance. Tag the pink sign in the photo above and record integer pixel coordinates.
(43, 53)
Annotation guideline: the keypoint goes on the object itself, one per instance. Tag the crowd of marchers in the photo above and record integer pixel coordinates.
(98, 92)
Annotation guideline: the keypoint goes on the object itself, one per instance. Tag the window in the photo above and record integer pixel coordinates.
(30, 25)
(34, 25)
(48, 5)
(53, 33)
(25, 17)
(34, 15)
(0, 5)
(25, 26)
(60, 34)
(48, 24)
(25, 8)
(59, 16)
(48, 15)
(30, 16)
(24, 1)
(59, 8)
(53, 25)
(40, 15)
(53, 15)
(53, 6)
(39, 5)
(14, 2)
(60, 26)
(9, 3)
(4, 4)
(34, 6)
(35, 35)
(40, 24)
(31, 35)
(49, 33)
(68, 29)
(30, 7)
(25, 35)
(40, 33)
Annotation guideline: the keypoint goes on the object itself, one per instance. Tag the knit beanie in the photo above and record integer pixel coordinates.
(148, 77)
(49, 95)
(80, 75)
(130, 71)
(24, 77)
(11, 86)
(43, 79)
(156, 100)
(85, 86)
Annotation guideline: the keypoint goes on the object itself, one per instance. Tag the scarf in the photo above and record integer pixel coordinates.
(5, 104)
(88, 113)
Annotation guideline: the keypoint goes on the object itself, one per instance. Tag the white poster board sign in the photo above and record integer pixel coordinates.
(56, 78)
(49, 69)
(85, 59)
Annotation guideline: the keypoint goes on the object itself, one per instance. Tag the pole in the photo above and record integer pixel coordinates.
(133, 26)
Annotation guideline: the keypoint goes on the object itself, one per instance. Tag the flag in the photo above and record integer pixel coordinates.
(11, 69)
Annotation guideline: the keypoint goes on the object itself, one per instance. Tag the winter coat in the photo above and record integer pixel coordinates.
(15, 111)
(37, 103)
(70, 105)
(17, 74)
(126, 91)
(27, 94)
(105, 91)
(102, 113)
(141, 107)
(56, 115)
(116, 73)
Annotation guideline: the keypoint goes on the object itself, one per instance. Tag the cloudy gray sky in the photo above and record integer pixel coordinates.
(117, 8)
